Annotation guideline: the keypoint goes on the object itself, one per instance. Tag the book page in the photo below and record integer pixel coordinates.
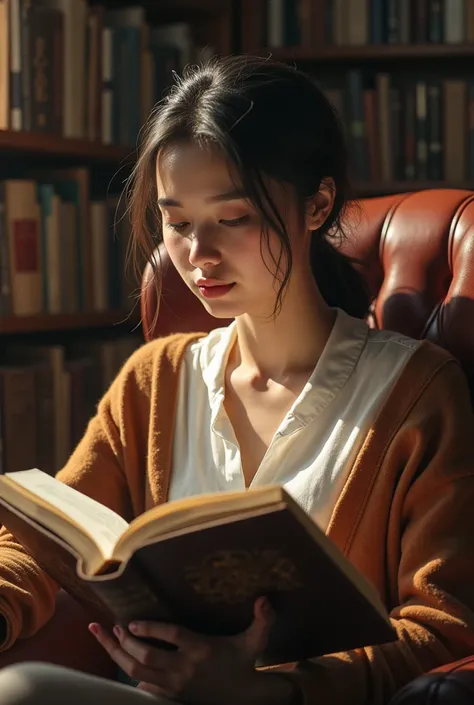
(101, 523)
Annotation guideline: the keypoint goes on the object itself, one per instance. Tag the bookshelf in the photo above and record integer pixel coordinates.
(389, 52)
(398, 73)
(69, 315)
(14, 325)
(51, 146)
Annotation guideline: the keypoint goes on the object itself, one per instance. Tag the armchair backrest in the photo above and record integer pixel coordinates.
(417, 254)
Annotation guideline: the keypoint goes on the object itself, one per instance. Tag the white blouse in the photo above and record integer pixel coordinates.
(312, 452)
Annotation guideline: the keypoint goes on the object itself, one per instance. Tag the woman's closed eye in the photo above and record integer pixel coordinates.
(235, 221)
(179, 227)
(230, 223)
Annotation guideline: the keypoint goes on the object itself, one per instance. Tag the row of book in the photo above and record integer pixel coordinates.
(60, 251)
(401, 128)
(315, 23)
(85, 72)
(48, 393)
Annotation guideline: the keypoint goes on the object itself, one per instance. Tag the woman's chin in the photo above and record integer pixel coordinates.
(222, 309)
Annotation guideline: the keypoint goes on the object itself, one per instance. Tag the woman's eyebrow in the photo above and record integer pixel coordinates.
(233, 195)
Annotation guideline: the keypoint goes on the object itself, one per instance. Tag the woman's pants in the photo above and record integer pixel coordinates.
(45, 684)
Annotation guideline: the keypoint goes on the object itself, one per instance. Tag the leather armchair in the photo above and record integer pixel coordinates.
(416, 251)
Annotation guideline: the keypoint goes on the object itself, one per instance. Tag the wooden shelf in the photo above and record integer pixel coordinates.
(181, 5)
(10, 325)
(387, 187)
(42, 143)
(371, 52)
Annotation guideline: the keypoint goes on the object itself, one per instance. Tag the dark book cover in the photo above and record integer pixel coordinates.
(208, 578)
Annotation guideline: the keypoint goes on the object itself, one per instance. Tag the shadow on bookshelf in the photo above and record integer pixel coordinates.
(10, 325)
(369, 52)
(42, 143)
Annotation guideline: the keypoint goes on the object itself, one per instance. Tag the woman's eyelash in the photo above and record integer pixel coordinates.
(178, 226)
(235, 221)
(230, 223)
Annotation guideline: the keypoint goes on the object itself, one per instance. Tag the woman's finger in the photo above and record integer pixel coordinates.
(150, 656)
(133, 668)
(171, 633)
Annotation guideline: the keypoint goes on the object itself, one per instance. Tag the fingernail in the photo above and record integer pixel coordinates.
(117, 631)
(133, 626)
(94, 630)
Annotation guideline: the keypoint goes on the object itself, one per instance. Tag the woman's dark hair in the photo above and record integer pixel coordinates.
(269, 121)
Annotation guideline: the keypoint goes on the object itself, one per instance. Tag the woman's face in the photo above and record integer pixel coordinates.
(212, 233)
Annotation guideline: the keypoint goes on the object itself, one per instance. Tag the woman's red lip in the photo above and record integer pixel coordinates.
(213, 291)
(209, 283)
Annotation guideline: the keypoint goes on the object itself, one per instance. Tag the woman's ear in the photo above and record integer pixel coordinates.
(318, 207)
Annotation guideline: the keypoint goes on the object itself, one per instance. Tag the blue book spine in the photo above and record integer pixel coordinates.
(377, 21)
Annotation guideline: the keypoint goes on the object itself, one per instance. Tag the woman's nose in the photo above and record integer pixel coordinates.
(204, 252)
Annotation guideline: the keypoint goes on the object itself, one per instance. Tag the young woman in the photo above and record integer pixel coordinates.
(242, 174)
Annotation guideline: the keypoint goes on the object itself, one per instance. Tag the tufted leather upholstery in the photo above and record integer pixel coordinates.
(449, 685)
(417, 251)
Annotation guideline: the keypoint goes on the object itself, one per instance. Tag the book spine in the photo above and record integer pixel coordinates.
(420, 21)
(409, 132)
(19, 418)
(58, 74)
(41, 70)
(435, 132)
(6, 306)
(421, 132)
(471, 129)
(355, 97)
(377, 22)
(275, 24)
(405, 22)
(26, 9)
(436, 14)
(16, 88)
(454, 21)
(393, 22)
(107, 85)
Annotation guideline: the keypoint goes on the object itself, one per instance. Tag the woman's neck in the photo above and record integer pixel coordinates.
(289, 343)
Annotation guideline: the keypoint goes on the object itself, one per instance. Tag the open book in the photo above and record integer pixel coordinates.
(199, 562)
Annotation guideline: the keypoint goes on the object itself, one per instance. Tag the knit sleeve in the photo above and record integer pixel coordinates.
(429, 559)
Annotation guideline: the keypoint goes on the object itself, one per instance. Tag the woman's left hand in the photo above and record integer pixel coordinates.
(202, 670)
